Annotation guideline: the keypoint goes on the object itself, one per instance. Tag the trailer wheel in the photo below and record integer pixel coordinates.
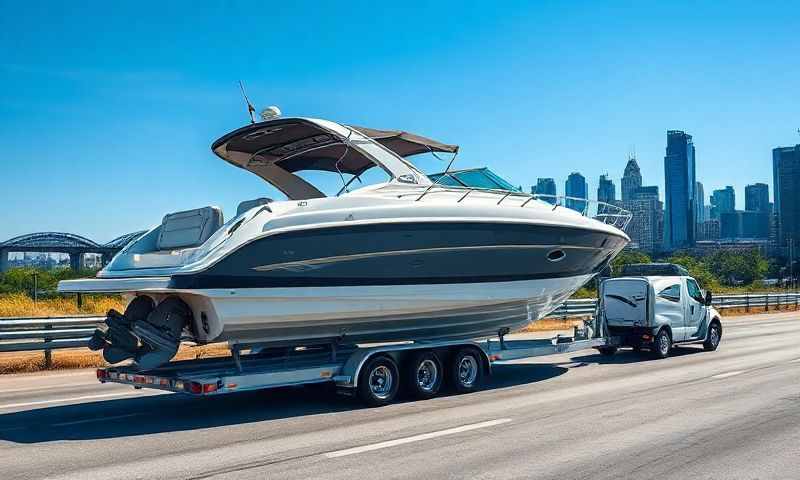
(662, 344)
(465, 370)
(423, 375)
(714, 337)
(378, 381)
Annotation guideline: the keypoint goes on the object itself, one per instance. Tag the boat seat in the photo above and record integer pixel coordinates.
(248, 204)
(189, 228)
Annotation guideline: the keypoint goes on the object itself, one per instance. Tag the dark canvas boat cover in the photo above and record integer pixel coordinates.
(405, 144)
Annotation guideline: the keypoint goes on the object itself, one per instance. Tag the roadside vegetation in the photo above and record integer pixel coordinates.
(723, 272)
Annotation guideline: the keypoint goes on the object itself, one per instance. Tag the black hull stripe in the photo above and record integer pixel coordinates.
(231, 281)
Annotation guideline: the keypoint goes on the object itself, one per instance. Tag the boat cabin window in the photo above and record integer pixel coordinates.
(473, 178)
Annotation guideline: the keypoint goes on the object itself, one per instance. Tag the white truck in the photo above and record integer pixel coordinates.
(657, 306)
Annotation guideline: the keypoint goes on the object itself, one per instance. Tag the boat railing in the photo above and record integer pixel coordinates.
(604, 212)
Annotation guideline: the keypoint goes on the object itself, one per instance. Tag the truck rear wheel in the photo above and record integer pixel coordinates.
(714, 337)
(662, 344)
(378, 381)
(424, 375)
(466, 371)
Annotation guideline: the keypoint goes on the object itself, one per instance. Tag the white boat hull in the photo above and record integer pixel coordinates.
(375, 313)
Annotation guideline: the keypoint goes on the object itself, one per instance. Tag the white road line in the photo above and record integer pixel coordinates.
(93, 420)
(49, 387)
(796, 360)
(68, 399)
(728, 374)
(415, 438)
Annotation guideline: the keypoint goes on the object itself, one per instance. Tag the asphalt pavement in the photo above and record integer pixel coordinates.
(729, 414)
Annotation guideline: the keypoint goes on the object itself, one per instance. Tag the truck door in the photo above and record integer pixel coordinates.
(670, 308)
(624, 302)
(696, 310)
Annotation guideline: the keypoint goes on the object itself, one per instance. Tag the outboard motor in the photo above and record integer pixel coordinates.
(146, 333)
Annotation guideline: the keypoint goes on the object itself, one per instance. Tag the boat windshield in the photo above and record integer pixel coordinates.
(473, 178)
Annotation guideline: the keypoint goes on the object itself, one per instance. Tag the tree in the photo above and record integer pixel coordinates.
(697, 268)
(739, 267)
(627, 257)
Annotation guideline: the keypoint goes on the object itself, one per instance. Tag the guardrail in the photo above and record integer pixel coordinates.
(25, 334)
(587, 306)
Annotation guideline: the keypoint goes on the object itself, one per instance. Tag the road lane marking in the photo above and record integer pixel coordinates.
(68, 399)
(415, 438)
(796, 360)
(93, 420)
(728, 374)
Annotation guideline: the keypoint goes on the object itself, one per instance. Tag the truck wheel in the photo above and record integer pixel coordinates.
(662, 344)
(424, 375)
(378, 381)
(607, 351)
(465, 370)
(714, 337)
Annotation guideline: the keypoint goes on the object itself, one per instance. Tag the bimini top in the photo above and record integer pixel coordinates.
(276, 149)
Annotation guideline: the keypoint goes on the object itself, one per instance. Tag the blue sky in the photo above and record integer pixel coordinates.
(107, 111)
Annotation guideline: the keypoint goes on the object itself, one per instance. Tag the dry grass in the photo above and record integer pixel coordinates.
(20, 305)
(27, 362)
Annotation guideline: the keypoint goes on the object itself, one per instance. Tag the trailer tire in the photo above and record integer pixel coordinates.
(465, 370)
(378, 381)
(423, 375)
(662, 344)
(714, 337)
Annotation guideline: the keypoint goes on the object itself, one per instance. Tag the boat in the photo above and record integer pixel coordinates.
(404, 258)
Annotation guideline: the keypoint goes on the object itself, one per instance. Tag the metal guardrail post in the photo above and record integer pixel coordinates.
(79, 300)
(746, 302)
(766, 302)
(48, 354)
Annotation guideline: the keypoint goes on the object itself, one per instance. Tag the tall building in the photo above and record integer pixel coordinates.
(576, 187)
(786, 184)
(606, 191)
(631, 180)
(756, 198)
(739, 224)
(545, 186)
(679, 195)
(722, 201)
(700, 204)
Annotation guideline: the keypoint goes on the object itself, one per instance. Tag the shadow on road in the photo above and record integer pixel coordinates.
(629, 356)
(176, 412)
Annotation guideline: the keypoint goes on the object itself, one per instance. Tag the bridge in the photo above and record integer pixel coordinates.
(73, 245)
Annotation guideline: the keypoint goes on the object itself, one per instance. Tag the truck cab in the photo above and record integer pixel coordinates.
(655, 307)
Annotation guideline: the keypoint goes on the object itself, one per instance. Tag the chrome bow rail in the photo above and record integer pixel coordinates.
(604, 212)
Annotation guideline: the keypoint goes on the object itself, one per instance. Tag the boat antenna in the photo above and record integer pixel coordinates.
(250, 109)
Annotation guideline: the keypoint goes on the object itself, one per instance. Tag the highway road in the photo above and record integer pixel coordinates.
(729, 414)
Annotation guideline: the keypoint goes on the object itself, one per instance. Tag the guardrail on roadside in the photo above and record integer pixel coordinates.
(587, 306)
(25, 334)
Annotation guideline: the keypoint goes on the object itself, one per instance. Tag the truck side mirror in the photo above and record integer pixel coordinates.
(708, 297)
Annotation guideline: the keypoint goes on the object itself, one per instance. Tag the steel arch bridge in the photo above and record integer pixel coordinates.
(71, 244)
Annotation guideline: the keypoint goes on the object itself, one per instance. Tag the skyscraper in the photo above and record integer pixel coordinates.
(547, 188)
(679, 179)
(756, 198)
(606, 192)
(700, 204)
(576, 187)
(723, 201)
(631, 180)
(786, 184)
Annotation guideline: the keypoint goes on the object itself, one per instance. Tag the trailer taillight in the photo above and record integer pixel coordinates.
(101, 374)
